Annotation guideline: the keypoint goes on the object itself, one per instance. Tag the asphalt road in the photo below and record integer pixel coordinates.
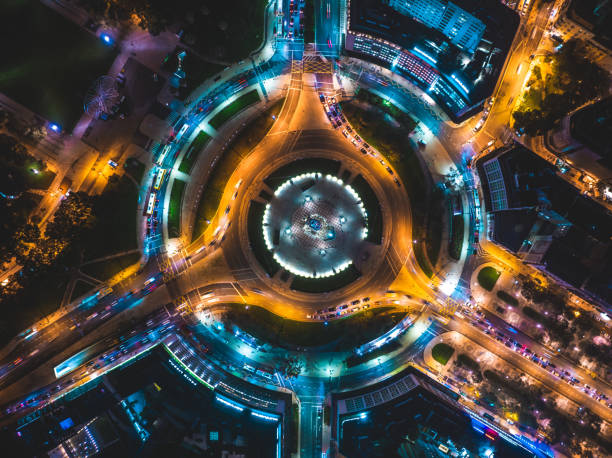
(302, 129)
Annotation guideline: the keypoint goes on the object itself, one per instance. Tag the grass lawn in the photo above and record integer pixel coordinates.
(193, 151)
(314, 164)
(442, 353)
(241, 34)
(422, 259)
(104, 270)
(507, 298)
(40, 180)
(466, 361)
(322, 285)
(487, 277)
(342, 334)
(456, 240)
(372, 206)
(240, 147)
(80, 288)
(174, 210)
(393, 143)
(256, 239)
(116, 213)
(48, 62)
(134, 168)
(196, 70)
(234, 108)
(43, 297)
(434, 225)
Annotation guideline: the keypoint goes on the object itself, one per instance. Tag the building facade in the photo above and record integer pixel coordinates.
(460, 27)
(453, 51)
(588, 21)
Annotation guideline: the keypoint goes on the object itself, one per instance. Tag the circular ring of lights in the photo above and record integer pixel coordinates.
(314, 225)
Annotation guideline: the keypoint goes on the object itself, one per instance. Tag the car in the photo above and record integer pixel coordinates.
(396, 181)
(343, 306)
(345, 133)
(358, 138)
(382, 161)
(227, 209)
(331, 309)
(363, 151)
(349, 129)
(322, 98)
(355, 302)
(389, 170)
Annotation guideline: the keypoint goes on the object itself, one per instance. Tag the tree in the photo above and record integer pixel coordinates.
(291, 367)
(72, 218)
(13, 156)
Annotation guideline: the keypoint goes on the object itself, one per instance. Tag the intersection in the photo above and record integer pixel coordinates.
(191, 283)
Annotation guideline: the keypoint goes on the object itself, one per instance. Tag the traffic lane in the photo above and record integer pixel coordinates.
(112, 339)
(530, 368)
(558, 360)
(58, 329)
(73, 327)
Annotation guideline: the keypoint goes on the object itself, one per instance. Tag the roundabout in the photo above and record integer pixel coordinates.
(296, 217)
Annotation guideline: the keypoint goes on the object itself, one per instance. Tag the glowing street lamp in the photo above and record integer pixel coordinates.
(106, 38)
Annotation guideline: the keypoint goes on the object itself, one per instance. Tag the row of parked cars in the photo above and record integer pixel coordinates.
(341, 310)
(337, 119)
(541, 360)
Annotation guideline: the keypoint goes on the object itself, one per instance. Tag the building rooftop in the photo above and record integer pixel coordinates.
(596, 16)
(534, 192)
(511, 227)
(411, 415)
(453, 50)
(591, 126)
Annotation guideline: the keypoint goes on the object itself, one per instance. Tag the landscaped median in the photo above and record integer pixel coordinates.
(386, 128)
(104, 270)
(192, 153)
(174, 208)
(442, 353)
(338, 335)
(236, 151)
(234, 108)
(487, 277)
(507, 298)
(456, 239)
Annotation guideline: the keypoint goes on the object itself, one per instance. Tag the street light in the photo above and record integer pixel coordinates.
(106, 38)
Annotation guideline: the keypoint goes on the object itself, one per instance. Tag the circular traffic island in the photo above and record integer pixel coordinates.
(313, 231)
(314, 225)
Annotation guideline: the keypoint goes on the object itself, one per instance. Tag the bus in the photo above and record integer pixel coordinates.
(182, 131)
(162, 156)
(159, 179)
(151, 204)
